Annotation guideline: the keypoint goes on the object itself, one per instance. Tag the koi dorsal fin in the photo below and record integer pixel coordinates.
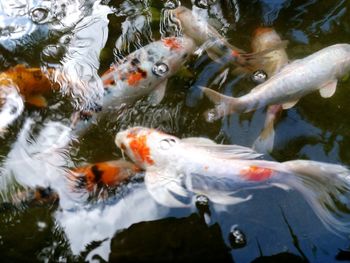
(222, 151)
(198, 140)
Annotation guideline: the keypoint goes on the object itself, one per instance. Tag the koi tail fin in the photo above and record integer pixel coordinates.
(224, 105)
(326, 187)
(264, 143)
(12, 105)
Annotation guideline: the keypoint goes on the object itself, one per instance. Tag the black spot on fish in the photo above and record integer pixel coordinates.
(14, 110)
(97, 173)
(143, 73)
(135, 62)
(44, 192)
(81, 182)
(150, 52)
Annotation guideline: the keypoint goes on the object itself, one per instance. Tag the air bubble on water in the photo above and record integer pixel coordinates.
(39, 15)
(211, 115)
(259, 76)
(202, 200)
(41, 225)
(237, 238)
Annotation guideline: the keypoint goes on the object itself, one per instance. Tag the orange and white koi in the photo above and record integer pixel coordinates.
(263, 39)
(144, 72)
(319, 71)
(103, 174)
(177, 168)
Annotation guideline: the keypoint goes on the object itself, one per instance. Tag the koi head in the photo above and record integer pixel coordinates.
(150, 65)
(264, 38)
(147, 147)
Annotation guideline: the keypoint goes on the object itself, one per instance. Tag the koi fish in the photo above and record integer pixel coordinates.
(263, 39)
(144, 72)
(319, 71)
(178, 168)
(19, 84)
(216, 45)
(32, 83)
(109, 174)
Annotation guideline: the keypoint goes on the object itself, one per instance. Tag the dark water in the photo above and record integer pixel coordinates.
(279, 226)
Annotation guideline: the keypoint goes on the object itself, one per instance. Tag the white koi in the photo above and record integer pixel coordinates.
(177, 168)
(319, 71)
(263, 39)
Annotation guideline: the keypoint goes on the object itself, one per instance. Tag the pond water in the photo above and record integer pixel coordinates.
(82, 39)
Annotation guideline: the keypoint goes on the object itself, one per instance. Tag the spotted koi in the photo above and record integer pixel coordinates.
(103, 174)
(181, 168)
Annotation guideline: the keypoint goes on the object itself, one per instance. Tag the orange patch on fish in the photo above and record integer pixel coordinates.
(104, 173)
(138, 145)
(30, 81)
(134, 78)
(107, 78)
(255, 173)
(172, 43)
(261, 30)
(235, 53)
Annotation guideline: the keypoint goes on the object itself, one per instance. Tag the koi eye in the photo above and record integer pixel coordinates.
(166, 144)
(160, 69)
(259, 76)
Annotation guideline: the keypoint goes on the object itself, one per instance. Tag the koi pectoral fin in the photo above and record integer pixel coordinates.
(158, 94)
(167, 189)
(264, 143)
(328, 89)
(289, 104)
(218, 190)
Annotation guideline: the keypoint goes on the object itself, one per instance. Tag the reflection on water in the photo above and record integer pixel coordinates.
(81, 39)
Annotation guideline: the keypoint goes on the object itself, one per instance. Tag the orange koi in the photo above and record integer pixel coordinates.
(32, 83)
